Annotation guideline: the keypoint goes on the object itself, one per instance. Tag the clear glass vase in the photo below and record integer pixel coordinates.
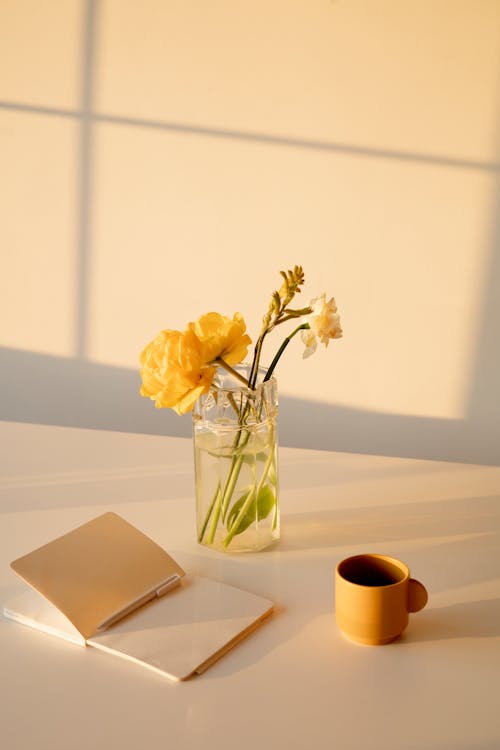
(236, 471)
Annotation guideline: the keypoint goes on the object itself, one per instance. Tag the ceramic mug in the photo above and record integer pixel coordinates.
(373, 596)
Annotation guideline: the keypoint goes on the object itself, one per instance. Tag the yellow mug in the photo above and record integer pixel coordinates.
(373, 596)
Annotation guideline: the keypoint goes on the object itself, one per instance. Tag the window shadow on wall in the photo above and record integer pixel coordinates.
(46, 389)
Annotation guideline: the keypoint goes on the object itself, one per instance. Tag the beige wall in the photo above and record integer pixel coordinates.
(164, 158)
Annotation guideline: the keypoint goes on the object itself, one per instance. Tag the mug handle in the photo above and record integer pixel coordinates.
(417, 595)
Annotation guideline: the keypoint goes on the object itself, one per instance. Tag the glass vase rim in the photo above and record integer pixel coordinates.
(237, 387)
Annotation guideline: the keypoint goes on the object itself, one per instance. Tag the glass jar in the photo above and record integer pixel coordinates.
(236, 472)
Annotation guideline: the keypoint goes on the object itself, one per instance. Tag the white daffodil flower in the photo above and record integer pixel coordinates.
(324, 324)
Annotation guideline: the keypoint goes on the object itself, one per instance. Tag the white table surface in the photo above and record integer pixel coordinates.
(296, 682)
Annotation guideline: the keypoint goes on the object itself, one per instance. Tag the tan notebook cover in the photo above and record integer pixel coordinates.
(108, 566)
(97, 570)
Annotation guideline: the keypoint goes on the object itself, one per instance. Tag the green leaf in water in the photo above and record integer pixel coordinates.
(252, 459)
(259, 508)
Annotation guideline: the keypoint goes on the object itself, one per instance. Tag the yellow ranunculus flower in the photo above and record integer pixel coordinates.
(173, 371)
(222, 337)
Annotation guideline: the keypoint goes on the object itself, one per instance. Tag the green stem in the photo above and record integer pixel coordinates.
(253, 493)
(219, 361)
(209, 513)
(256, 358)
(237, 461)
(293, 314)
(217, 494)
(233, 475)
(282, 348)
(282, 317)
(275, 515)
(215, 517)
(223, 498)
(233, 403)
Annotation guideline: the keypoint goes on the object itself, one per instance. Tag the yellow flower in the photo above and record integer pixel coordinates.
(222, 337)
(173, 372)
(324, 324)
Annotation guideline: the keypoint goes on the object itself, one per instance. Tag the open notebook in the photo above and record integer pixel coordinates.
(107, 585)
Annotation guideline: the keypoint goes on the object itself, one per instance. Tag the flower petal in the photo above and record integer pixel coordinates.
(309, 340)
(172, 371)
(220, 336)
